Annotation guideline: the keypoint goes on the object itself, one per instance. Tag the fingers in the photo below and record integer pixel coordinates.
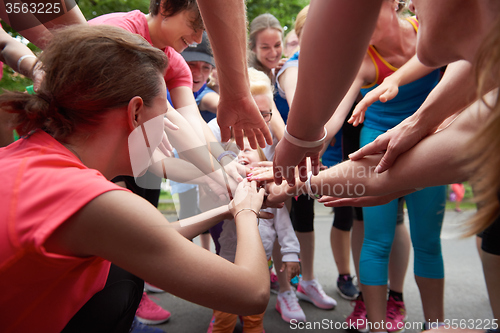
(225, 133)
(375, 147)
(250, 134)
(387, 160)
(278, 175)
(302, 166)
(315, 164)
(267, 135)
(261, 139)
(238, 138)
(168, 124)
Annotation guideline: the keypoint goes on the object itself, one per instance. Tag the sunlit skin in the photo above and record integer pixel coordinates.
(175, 31)
(201, 71)
(269, 47)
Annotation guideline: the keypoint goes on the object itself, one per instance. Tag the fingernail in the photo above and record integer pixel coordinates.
(378, 169)
(249, 174)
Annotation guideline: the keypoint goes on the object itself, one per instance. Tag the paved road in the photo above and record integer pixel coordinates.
(465, 291)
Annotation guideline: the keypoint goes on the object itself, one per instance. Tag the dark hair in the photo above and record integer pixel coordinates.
(88, 70)
(173, 7)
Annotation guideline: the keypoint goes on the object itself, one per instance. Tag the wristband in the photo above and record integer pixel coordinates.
(309, 189)
(227, 153)
(256, 214)
(302, 143)
(21, 60)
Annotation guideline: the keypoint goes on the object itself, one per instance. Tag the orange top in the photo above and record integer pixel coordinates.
(382, 67)
(43, 184)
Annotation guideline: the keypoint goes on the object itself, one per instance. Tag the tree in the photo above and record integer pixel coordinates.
(284, 11)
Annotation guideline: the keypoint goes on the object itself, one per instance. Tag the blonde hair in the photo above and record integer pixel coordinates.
(485, 144)
(260, 83)
(260, 23)
(301, 20)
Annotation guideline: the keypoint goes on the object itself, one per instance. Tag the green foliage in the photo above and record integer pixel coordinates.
(94, 8)
(13, 81)
(284, 11)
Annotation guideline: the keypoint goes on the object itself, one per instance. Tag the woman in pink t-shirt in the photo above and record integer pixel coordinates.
(63, 222)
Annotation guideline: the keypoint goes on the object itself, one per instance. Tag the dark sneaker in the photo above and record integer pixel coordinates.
(346, 288)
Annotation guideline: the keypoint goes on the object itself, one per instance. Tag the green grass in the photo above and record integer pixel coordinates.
(168, 207)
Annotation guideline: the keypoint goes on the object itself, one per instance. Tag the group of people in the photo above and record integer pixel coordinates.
(116, 108)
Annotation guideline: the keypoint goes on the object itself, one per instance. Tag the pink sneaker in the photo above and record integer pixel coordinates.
(149, 312)
(288, 306)
(311, 291)
(357, 319)
(395, 316)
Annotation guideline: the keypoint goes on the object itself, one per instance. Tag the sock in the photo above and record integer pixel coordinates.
(344, 277)
(306, 283)
(398, 297)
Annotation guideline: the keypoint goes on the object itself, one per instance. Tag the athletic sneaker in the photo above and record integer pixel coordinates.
(149, 312)
(311, 291)
(288, 306)
(152, 289)
(357, 320)
(346, 288)
(211, 325)
(138, 327)
(395, 315)
(275, 285)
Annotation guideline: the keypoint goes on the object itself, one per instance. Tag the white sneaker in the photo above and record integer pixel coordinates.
(288, 306)
(311, 291)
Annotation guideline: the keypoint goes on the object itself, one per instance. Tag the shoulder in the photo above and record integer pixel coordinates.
(178, 72)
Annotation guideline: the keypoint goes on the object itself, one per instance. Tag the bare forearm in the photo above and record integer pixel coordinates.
(455, 91)
(193, 226)
(320, 91)
(225, 22)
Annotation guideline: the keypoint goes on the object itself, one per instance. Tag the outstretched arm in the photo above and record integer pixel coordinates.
(412, 70)
(35, 25)
(320, 88)
(226, 28)
(455, 91)
(439, 159)
(125, 229)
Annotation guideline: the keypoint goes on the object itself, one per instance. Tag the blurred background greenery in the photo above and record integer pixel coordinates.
(285, 11)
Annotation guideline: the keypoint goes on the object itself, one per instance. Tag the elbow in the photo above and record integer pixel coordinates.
(258, 302)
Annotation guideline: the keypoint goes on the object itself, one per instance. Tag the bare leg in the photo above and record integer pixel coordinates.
(432, 295)
(400, 255)
(284, 283)
(375, 298)
(340, 242)
(306, 240)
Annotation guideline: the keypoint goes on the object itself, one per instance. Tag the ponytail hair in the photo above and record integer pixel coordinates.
(88, 70)
(484, 146)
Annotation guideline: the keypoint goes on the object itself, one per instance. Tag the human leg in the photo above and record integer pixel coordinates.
(309, 289)
(379, 229)
(426, 213)
(113, 308)
(222, 322)
(490, 258)
(400, 253)
(254, 324)
(340, 241)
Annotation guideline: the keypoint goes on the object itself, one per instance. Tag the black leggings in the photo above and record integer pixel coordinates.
(113, 308)
(490, 236)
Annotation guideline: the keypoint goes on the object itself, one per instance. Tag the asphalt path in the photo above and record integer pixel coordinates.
(466, 299)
